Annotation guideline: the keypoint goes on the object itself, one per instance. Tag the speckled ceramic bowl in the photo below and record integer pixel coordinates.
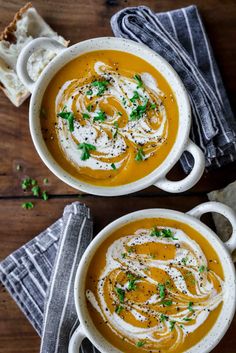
(182, 143)
(224, 251)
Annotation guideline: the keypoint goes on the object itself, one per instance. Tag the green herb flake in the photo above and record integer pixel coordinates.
(161, 288)
(86, 148)
(135, 97)
(121, 294)
(166, 302)
(101, 86)
(140, 344)
(116, 125)
(89, 108)
(119, 309)
(140, 155)
(138, 80)
(187, 319)
(123, 255)
(172, 325)
(119, 113)
(69, 116)
(153, 106)
(162, 233)
(201, 269)
(138, 112)
(190, 307)
(45, 181)
(45, 195)
(163, 318)
(101, 116)
(113, 166)
(132, 282)
(27, 205)
(184, 260)
(89, 92)
(35, 190)
(26, 183)
(86, 116)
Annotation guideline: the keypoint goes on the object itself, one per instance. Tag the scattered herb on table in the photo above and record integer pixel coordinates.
(45, 195)
(36, 190)
(140, 155)
(86, 148)
(27, 205)
(45, 181)
(26, 183)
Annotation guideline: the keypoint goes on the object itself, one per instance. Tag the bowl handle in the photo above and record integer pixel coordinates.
(76, 340)
(191, 179)
(27, 51)
(224, 210)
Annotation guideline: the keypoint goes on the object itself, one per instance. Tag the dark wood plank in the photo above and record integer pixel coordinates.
(79, 20)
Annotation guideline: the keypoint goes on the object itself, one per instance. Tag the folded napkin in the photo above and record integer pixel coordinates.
(40, 278)
(179, 36)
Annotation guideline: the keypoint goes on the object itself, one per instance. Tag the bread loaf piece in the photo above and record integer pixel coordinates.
(26, 26)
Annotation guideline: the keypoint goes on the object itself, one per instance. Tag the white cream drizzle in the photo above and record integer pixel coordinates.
(205, 299)
(121, 89)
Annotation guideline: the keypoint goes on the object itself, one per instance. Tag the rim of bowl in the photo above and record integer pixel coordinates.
(103, 43)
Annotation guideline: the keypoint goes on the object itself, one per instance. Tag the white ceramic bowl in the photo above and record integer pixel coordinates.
(182, 143)
(224, 251)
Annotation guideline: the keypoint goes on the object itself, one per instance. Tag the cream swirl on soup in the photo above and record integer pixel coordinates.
(113, 112)
(156, 299)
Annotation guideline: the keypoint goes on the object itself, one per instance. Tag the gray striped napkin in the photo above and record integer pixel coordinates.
(40, 278)
(179, 36)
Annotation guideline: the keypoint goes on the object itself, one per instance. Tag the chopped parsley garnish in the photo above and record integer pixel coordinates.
(27, 205)
(172, 325)
(184, 260)
(190, 307)
(119, 113)
(45, 181)
(161, 288)
(140, 155)
(132, 282)
(123, 255)
(86, 148)
(69, 116)
(101, 116)
(35, 190)
(135, 97)
(89, 107)
(140, 344)
(187, 319)
(201, 269)
(116, 125)
(119, 309)
(86, 116)
(121, 294)
(45, 195)
(89, 92)
(163, 318)
(162, 233)
(139, 81)
(130, 250)
(138, 112)
(166, 302)
(153, 106)
(113, 166)
(34, 182)
(101, 86)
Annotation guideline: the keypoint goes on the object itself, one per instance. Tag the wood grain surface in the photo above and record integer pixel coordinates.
(79, 20)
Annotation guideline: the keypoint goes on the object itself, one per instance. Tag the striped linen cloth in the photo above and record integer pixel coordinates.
(179, 37)
(40, 278)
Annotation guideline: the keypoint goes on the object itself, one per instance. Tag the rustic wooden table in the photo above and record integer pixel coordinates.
(79, 20)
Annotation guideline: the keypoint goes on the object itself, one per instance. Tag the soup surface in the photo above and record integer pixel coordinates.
(155, 285)
(109, 118)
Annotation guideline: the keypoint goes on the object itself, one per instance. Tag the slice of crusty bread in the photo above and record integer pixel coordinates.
(26, 26)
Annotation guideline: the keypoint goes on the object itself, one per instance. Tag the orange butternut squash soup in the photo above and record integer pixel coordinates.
(109, 118)
(155, 285)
